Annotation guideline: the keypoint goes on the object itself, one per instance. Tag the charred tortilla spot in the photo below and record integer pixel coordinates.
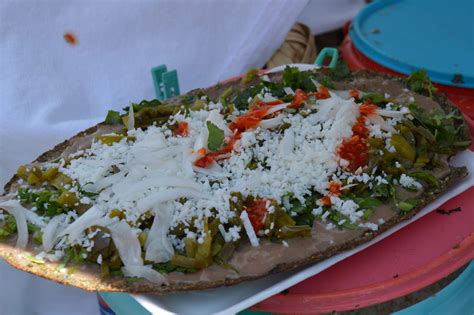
(449, 211)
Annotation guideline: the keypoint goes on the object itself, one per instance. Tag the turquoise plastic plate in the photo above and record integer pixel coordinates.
(405, 35)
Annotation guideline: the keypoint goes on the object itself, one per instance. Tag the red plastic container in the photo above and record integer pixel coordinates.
(462, 97)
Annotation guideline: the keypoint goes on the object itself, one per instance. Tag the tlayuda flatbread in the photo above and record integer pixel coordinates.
(233, 182)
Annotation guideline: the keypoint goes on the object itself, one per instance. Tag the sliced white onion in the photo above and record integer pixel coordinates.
(51, 231)
(327, 108)
(225, 235)
(148, 156)
(187, 165)
(34, 218)
(201, 140)
(378, 120)
(83, 222)
(158, 246)
(277, 108)
(316, 83)
(214, 170)
(249, 229)
(289, 91)
(146, 272)
(287, 143)
(344, 94)
(105, 182)
(165, 181)
(272, 122)
(126, 241)
(146, 150)
(393, 113)
(269, 98)
(163, 196)
(131, 118)
(13, 207)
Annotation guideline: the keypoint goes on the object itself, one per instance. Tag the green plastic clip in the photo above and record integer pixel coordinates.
(165, 82)
(327, 52)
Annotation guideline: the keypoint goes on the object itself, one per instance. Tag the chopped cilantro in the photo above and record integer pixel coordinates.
(249, 76)
(408, 204)
(419, 82)
(168, 267)
(442, 128)
(44, 201)
(216, 137)
(375, 98)
(113, 118)
(425, 176)
(143, 104)
(294, 78)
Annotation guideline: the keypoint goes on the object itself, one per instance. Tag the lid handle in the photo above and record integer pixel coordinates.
(331, 52)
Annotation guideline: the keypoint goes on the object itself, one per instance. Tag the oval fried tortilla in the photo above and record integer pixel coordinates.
(251, 262)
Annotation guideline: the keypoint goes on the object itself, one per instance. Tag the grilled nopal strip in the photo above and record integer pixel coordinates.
(243, 264)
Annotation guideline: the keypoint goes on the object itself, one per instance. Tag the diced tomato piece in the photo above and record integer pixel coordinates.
(354, 93)
(322, 93)
(182, 129)
(326, 200)
(334, 187)
(359, 128)
(256, 211)
(300, 97)
(354, 150)
(250, 119)
(367, 109)
(204, 162)
(273, 103)
(260, 104)
(244, 122)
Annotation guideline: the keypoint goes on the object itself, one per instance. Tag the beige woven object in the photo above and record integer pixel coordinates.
(298, 47)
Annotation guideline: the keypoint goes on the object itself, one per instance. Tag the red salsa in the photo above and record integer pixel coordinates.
(256, 210)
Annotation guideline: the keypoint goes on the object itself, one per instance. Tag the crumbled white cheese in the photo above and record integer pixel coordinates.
(317, 211)
(409, 182)
(157, 171)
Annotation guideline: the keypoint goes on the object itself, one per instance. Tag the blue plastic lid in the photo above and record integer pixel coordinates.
(406, 35)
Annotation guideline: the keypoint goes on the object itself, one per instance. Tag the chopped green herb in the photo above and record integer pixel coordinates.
(383, 190)
(34, 259)
(83, 192)
(216, 137)
(442, 128)
(294, 78)
(425, 176)
(408, 204)
(113, 118)
(143, 104)
(419, 82)
(249, 76)
(168, 267)
(375, 98)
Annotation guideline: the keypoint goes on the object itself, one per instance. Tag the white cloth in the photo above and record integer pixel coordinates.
(50, 90)
(322, 16)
